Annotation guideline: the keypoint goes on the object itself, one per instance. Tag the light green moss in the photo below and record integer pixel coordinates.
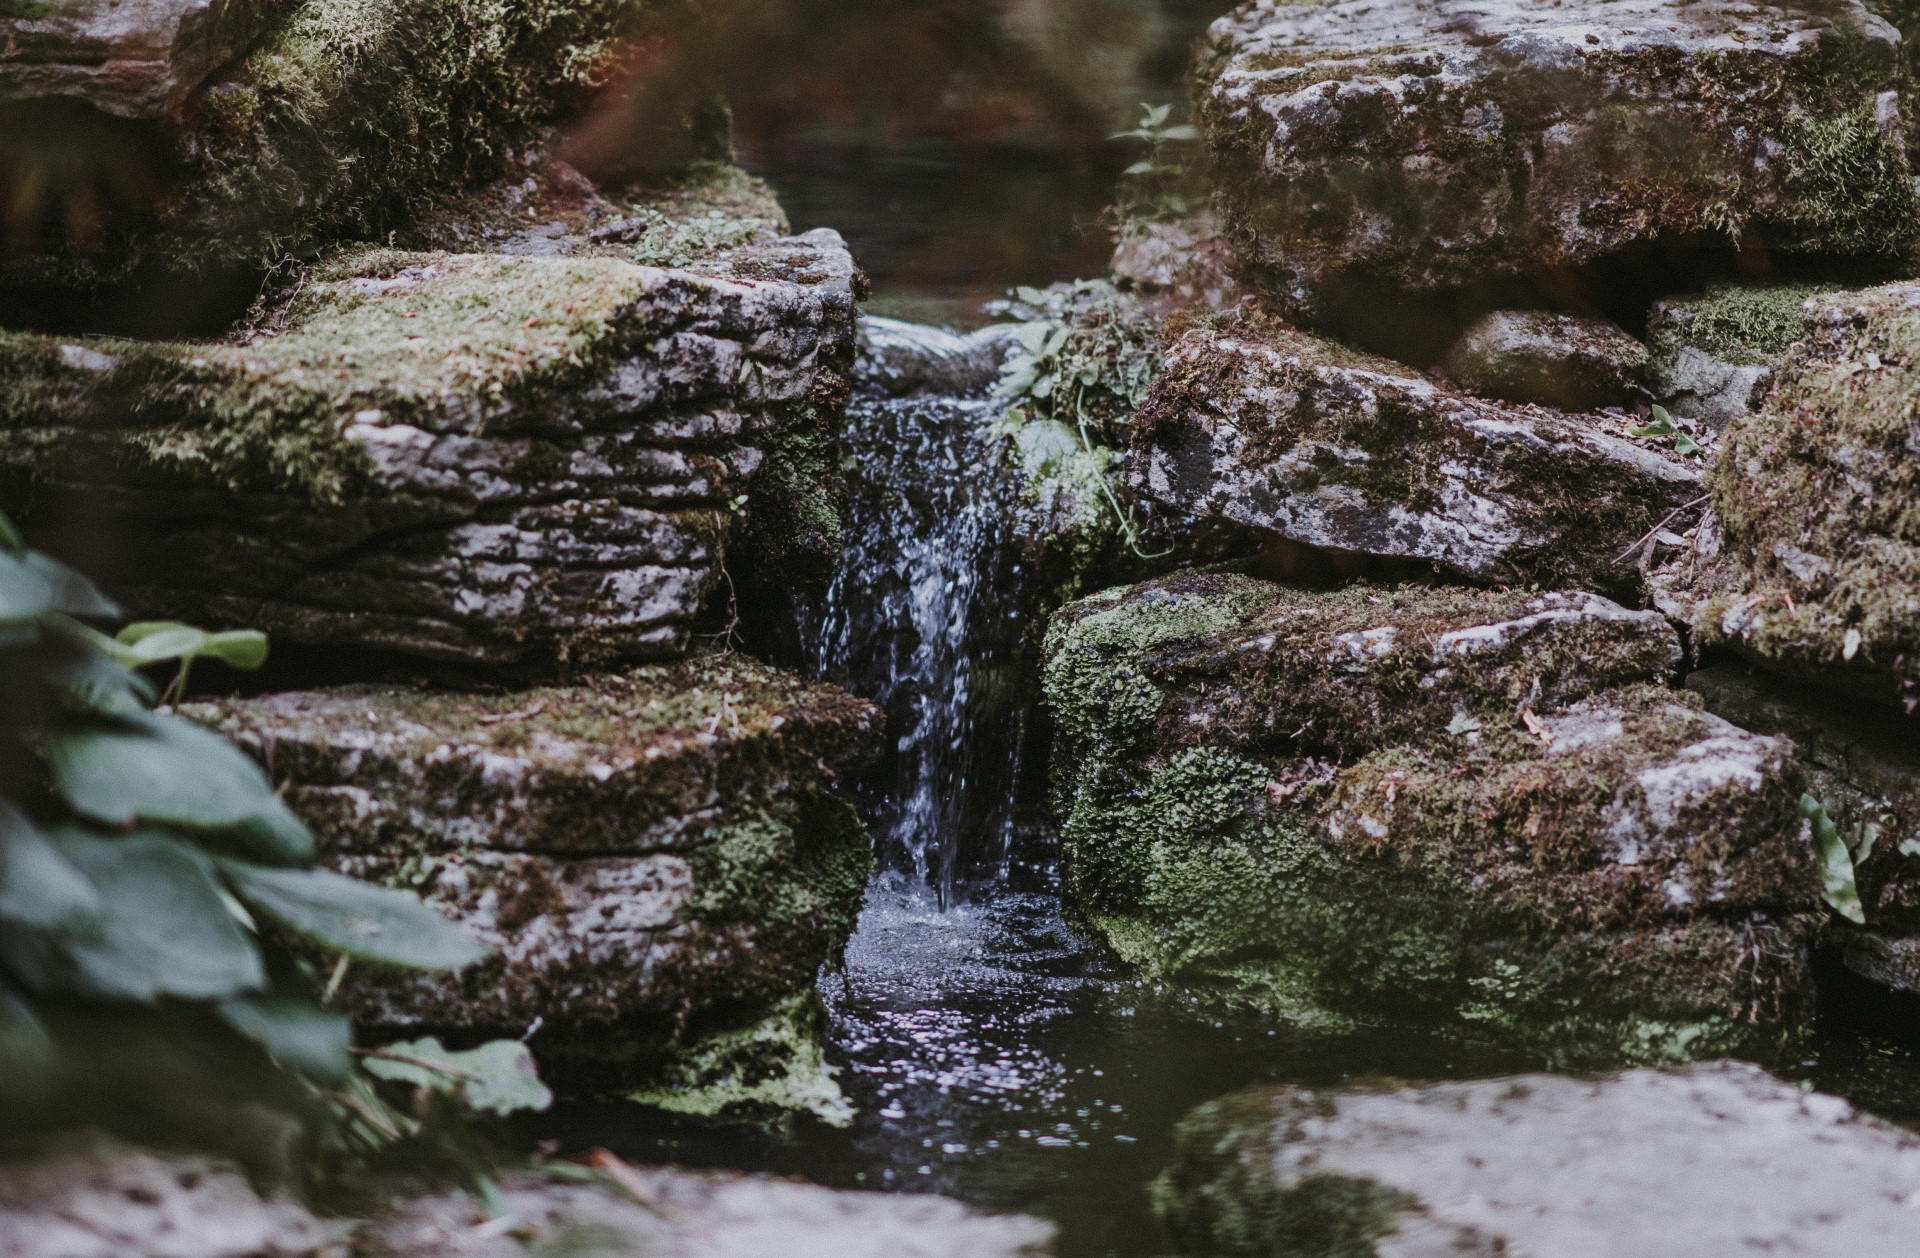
(1738, 323)
(775, 1068)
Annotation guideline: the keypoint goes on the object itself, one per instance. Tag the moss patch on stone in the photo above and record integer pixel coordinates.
(1738, 323)
(774, 1069)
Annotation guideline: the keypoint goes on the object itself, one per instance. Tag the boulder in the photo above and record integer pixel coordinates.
(1303, 440)
(1810, 562)
(1566, 361)
(87, 1195)
(126, 58)
(532, 454)
(1714, 357)
(1863, 765)
(1172, 264)
(900, 359)
(658, 859)
(1429, 806)
(278, 151)
(1720, 1161)
(1375, 154)
(658, 1210)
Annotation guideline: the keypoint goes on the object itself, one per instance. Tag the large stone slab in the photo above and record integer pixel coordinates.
(659, 860)
(532, 456)
(1374, 152)
(128, 58)
(1810, 561)
(1304, 440)
(1720, 1161)
(1446, 807)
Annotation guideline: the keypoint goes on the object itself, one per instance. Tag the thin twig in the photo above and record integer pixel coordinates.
(1655, 530)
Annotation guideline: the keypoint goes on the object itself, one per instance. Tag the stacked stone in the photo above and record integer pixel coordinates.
(1478, 800)
(531, 437)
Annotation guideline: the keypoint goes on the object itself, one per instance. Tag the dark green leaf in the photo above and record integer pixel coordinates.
(70, 592)
(26, 1050)
(361, 920)
(40, 888)
(1836, 864)
(295, 1033)
(166, 930)
(499, 1077)
(10, 539)
(168, 770)
(88, 680)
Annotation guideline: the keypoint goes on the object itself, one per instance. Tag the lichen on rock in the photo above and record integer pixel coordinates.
(1811, 561)
(1441, 807)
(658, 859)
(1305, 440)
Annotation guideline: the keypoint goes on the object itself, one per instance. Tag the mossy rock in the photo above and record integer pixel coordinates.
(534, 455)
(1298, 438)
(1565, 361)
(1715, 355)
(1811, 561)
(1372, 156)
(660, 861)
(1435, 807)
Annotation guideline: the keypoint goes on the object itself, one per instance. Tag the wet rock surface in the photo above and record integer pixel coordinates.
(1305, 440)
(1810, 563)
(1719, 1159)
(1431, 806)
(702, 1216)
(86, 1195)
(128, 58)
(1563, 361)
(531, 456)
(658, 860)
(1372, 152)
(900, 359)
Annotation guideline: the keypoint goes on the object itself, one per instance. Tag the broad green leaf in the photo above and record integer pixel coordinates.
(87, 679)
(237, 648)
(1836, 863)
(499, 1077)
(363, 921)
(165, 929)
(39, 888)
(295, 1033)
(71, 592)
(25, 593)
(168, 770)
(149, 642)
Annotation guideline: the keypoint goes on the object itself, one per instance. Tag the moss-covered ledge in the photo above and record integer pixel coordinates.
(532, 455)
(659, 858)
(1431, 807)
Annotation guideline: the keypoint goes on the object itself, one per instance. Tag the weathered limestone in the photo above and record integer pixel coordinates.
(1565, 361)
(1372, 153)
(1176, 264)
(1810, 561)
(657, 859)
(1720, 1161)
(525, 457)
(1435, 806)
(287, 147)
(1714, 357)
(1302, 439)
(1863, 765)
(704, 1216)
(128, 58)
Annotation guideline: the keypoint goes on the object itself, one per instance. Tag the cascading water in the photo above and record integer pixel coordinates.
(925, 618)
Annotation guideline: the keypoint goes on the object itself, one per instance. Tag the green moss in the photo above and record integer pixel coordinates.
(1221, 1196)
(773, 1069)
(1738, 323)
(1851, 193)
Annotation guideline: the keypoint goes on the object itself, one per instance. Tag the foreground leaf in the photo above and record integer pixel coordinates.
(167, 770)
(358, 919)
(39, 888)
(499, 1077)
(296, 1033)
(165, 929)
(1836, 864)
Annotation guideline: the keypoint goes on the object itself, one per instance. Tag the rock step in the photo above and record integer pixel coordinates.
(490, 458)
(1433, 806)
(1716, 1161)
(658, 859)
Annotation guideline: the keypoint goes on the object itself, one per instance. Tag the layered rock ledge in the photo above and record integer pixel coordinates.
(1304, 440)
(530, 456)
(1432, 806)
(1371, 153)
(659, 860)
(1721, 1158)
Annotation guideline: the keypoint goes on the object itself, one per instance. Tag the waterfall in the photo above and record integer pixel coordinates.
(925, 616)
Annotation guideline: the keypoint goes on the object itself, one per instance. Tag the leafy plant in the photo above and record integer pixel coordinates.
(1084, 357)
(1664, 429)
(154, 887)
(1167, 181)
(1839, 853)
